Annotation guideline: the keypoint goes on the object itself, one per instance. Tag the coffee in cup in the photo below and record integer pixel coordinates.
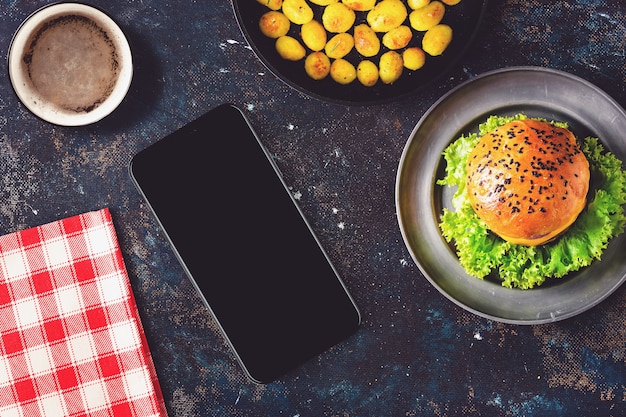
(70, 64)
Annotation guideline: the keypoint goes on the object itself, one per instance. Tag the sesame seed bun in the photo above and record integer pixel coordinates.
(528, 181)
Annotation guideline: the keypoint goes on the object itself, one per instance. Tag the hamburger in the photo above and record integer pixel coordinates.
(528, 181)
(524, 208)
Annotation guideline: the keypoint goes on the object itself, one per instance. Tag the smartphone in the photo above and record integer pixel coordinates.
(245, 244)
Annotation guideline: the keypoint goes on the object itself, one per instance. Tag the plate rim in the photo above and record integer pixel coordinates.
(450, 95)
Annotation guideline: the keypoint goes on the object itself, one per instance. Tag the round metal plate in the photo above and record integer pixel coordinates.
(537, 92)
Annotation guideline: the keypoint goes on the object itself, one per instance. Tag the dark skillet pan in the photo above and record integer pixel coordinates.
(464, 18)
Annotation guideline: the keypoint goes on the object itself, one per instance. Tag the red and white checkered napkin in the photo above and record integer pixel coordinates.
(71, 341)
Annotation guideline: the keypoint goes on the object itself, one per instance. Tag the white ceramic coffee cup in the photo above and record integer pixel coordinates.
(70, 64)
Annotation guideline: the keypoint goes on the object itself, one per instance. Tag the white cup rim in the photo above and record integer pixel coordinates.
(29, 97)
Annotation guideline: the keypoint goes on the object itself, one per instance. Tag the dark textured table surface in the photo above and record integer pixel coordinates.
(416, 353)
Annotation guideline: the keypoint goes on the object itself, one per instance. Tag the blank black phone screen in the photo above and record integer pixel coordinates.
(244, 243)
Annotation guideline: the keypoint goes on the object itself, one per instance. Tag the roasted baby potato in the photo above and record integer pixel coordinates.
(339, 45)
(366, 41)
(437, 39)
(413, 58)
(314, 35)
(387, 15)
(274, 24)
(338, 18)
(290, 48)
(298, 11)
(390, 67)
(428, 16)
(451, 2)
(323, 2)
(398, 38)
(367, 73)
(317, 65)
(360, 5)
(272, 4)
(342, 71)
(416, 4)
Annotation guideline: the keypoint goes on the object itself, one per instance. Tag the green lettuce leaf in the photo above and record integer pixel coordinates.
(483, 253)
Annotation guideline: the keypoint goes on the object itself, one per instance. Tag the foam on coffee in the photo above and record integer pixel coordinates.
(72, 62)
